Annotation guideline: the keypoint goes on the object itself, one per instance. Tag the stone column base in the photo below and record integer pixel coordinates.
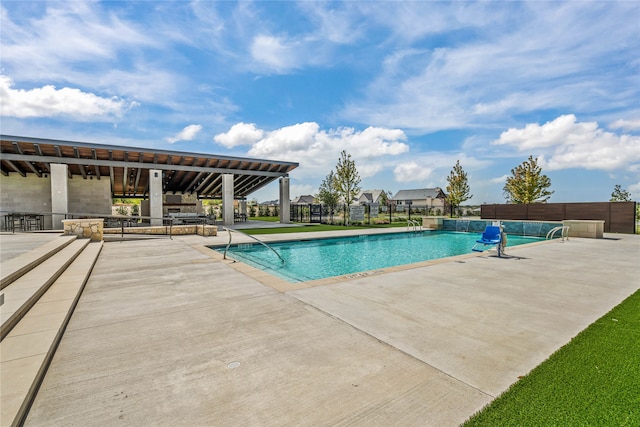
(84, 228)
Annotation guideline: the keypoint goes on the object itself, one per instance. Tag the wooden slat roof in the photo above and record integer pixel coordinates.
(127, 167)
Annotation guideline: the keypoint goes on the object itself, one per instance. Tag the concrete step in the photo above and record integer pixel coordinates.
(22, 293)
(13, 268)
(28, 348)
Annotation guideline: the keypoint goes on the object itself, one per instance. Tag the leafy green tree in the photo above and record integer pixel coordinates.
(527, 184)
(620, 195)
(347, 180)
(328, 194)
(135, 210)
(122, 210)
(458, 190)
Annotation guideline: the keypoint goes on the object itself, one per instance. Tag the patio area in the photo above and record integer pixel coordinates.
(168, 333)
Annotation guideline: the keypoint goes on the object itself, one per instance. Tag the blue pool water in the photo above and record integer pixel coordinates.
(316, 259)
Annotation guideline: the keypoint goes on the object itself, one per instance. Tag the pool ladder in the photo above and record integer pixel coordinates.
(229, 230)
(414, 225)
(564, 232)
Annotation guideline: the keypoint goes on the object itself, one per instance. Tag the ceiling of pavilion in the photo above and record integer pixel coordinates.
(127, 168)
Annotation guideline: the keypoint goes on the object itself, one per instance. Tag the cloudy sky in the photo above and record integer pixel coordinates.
(407, 88)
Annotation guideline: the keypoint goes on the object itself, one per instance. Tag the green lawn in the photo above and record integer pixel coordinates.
(265, 218)
(594, 380)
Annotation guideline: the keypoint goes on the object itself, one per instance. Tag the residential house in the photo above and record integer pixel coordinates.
(304, 200)
(422, 199)
(370, 196)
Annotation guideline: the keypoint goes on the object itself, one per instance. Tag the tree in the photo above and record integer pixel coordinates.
(620, 195)
(527, 184)
(457, 187)
(347, 180)
(122, 210)
(384, 198)
(328, 194)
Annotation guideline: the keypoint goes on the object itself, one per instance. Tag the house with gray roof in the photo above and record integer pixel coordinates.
(422, 198)
(306, 199)
(370, 196)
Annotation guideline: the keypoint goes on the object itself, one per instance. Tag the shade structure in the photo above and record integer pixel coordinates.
(127, 167)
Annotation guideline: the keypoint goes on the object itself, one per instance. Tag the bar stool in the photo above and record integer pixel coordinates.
(15, 220)
(32, 222)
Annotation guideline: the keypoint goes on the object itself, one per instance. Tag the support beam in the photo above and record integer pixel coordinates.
(16, 168)
(111, 173)
(96, 167)
(33, 169)
(215, 183)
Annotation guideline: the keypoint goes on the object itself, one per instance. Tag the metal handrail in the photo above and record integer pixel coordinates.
(229, 230)
(413, 224)
(564, 232)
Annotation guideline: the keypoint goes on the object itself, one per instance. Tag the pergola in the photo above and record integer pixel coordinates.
(125, 167)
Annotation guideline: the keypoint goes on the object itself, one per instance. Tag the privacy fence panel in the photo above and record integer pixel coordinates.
(618, 217)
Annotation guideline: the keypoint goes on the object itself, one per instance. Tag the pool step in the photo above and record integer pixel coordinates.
(37, 308)
(22, 293)
(13, 268)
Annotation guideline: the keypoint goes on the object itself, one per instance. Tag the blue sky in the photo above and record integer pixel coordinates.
(407, 88)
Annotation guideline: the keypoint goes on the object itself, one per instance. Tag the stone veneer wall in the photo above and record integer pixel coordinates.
(84, 228)
(592, 229)
(176, 230)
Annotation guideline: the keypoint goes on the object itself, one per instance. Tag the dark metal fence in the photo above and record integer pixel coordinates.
(618, 217)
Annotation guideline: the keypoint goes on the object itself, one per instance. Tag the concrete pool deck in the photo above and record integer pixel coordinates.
(168, 333)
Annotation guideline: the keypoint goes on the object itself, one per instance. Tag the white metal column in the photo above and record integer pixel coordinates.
(285, 203)
(227, 199)
(155, 196)
(59, 194)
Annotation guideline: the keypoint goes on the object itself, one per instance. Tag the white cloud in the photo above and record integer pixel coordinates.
(499, 180)
(628, 125)
(66, 34)
(335, 22)
(430, 169)
(318, 150)
(186, 134)
(634, 189)
(368, 170)
(412, 171)
(302, 190)
(548, 135)
(286, 141)
(276, 53)
(240, 134)
(48, 101)
(565, 143)
(511, 66)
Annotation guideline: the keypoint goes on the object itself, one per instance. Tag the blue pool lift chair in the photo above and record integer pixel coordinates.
(492, 236)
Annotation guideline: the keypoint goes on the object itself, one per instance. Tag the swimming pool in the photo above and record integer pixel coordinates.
(317, 259)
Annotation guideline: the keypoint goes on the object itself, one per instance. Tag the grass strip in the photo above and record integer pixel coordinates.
(594, 380)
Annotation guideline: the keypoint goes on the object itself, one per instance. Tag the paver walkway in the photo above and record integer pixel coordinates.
(165, 334)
